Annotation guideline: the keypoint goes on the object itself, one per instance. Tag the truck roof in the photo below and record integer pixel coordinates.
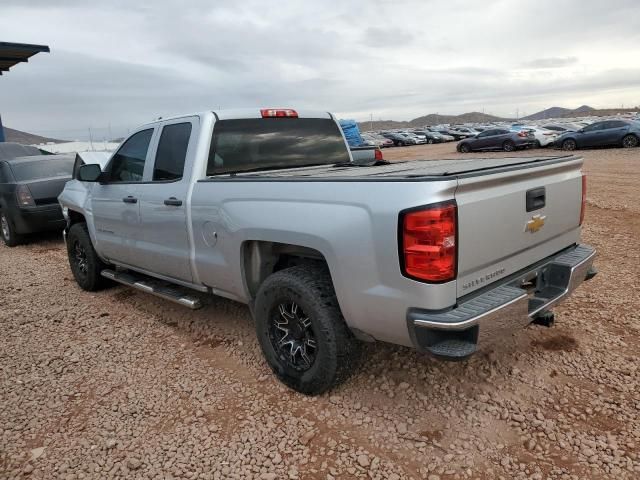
(241, 113)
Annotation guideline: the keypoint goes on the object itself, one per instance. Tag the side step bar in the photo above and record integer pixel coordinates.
(154, 287)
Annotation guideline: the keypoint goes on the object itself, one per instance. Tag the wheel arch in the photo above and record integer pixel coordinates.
(260, 258)
(75, 217)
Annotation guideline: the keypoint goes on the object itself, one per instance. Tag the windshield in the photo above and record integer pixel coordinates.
(265, 143)
(42, 168)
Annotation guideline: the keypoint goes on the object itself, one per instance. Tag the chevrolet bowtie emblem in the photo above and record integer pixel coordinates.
(535, 224)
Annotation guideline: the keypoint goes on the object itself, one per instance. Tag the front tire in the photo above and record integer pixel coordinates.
(83, 259)
(464, 148)
(430, 141)
(630, 141)
(569, 144)
(7, 232)
(301, 330)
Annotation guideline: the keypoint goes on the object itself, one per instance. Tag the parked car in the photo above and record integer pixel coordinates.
(561, 128)
(29, 189)
(623, 133)
(543, 137)
(431, 137)
(420, 139)
(452, 133)
(398, 139)
(378, 140)
(497, 139)
(471, 132)
(445, 136)
(251, 206)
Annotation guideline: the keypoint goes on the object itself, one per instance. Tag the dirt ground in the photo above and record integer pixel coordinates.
(119, 384)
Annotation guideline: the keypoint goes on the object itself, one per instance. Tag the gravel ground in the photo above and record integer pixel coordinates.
(120, 384)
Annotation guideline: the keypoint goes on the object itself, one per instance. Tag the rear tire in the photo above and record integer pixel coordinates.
(430, 141)
(537, 144)
(8, 233)
(508, 146)
(630, 141)
(83, 259)
(464, 148)
(569, 144)
(302, 332)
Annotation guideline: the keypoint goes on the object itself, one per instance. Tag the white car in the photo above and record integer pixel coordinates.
(544, 137)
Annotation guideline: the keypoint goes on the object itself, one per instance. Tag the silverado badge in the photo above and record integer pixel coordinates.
(535, 224)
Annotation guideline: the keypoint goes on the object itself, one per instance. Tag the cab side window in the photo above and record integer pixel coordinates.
(172, 152)
(127, 165)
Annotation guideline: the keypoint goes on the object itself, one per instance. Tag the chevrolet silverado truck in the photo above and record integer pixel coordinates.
(266, 207)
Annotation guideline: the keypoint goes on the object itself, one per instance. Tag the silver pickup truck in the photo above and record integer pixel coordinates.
(266, 207)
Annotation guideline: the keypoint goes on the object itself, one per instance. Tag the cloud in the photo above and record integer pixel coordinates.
(551, 62)
(118, 64)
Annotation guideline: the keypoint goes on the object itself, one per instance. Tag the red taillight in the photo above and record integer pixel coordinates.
(523, 134)
(584, 198)
(278, 112)
(379, 154)
(429, 243)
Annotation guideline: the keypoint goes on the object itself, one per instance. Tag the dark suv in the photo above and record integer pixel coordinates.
(624, 133)
(497, 139)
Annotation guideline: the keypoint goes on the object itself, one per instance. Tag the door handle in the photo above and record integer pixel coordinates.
(130, 199)
(173, 201)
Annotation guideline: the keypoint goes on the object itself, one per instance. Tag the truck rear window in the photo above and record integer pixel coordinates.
(42, 168)
(264, 143)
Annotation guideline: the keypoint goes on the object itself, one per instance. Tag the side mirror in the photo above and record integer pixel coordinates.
(89, 173)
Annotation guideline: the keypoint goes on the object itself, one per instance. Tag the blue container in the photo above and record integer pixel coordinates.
(351, 132)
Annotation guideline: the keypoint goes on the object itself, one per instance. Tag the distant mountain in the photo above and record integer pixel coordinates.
(431, 119)
(559, 112)
(25, 138)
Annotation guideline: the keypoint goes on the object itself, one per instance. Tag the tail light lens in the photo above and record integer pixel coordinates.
(379, 155)
(584, 198)
(428, 243)
(523, 134)
(278, 112)
(25, 199)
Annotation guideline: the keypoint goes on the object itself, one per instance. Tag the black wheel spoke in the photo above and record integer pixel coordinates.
(292, 336)
(80, 258)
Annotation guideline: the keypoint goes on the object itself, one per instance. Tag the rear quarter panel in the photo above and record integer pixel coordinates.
(353, 224)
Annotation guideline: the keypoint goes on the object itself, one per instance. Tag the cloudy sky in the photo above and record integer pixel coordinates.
(115, 64)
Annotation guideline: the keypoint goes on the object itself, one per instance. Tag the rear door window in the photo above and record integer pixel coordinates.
(127, 165)
(265, 143)
(594, 127)
(615, 124)
(172, 152)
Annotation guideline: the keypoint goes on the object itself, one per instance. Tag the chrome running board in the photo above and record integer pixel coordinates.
(153, 286)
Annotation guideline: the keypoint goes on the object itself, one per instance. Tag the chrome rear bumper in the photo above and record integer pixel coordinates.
(501, 308)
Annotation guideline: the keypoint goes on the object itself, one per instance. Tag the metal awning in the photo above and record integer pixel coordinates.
(13, 53)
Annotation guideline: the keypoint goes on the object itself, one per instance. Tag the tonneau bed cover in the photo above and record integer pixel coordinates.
(406, 170)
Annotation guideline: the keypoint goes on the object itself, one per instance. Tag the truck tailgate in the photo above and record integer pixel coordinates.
(497, 236)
